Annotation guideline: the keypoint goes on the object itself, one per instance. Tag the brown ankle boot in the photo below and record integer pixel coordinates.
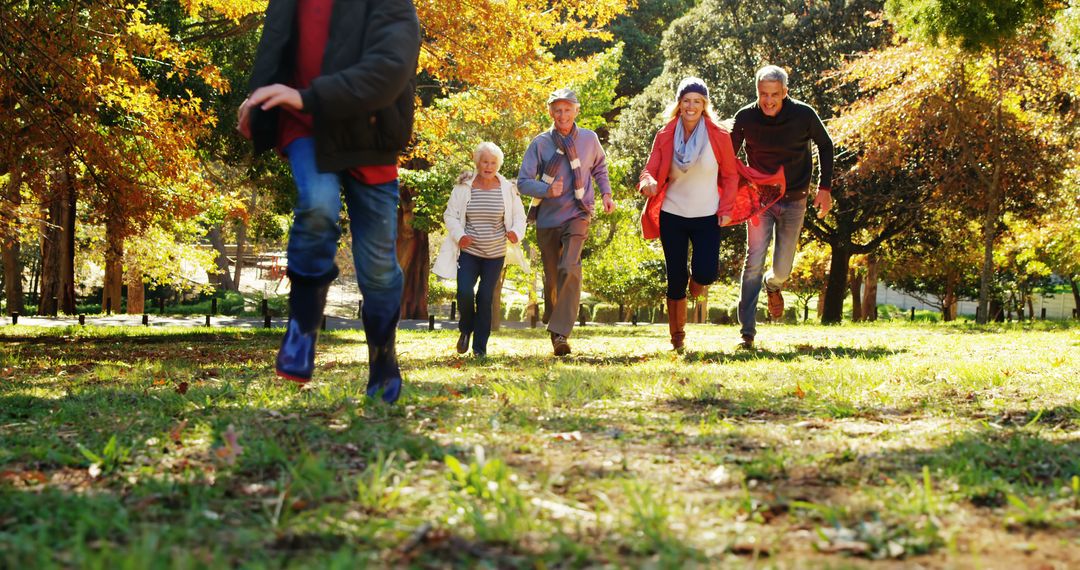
(677, 322)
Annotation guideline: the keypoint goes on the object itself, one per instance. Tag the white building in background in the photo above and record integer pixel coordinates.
(1058, 306)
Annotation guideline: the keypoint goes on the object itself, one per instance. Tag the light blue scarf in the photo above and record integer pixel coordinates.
(688, 151)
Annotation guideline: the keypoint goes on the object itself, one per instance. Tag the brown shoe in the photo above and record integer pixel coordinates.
(677, 322)
(776, 304)
(559, 344)
(747, 342)
(463, 343)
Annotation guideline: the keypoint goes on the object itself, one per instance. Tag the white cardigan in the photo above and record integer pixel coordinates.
(454, 218)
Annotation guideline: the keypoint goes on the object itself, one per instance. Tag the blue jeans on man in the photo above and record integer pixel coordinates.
(782, 221)
(313, 242)
(476, 308)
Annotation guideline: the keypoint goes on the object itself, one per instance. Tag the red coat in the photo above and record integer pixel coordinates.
(733, 176)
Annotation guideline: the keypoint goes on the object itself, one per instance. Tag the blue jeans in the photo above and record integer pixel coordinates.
(676, 235)
(313, 238)
(476, 310)
(784, 220)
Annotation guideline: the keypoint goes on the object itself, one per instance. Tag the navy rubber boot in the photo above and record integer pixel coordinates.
(307, 300)
(384, 374)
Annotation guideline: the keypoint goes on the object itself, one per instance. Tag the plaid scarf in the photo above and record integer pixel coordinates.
(564, 147)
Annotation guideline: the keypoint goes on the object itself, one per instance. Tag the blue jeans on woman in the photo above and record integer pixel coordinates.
(476, 309)
(676, 235)
(784, 220)
(313, 238)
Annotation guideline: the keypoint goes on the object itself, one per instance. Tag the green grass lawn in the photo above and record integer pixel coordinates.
(828, 447)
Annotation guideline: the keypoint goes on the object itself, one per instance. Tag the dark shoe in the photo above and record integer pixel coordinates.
(463, 342)
(677, 322)
(384, 374)
(747, 342)
(559, 344)
(776, 304)
(307, 300)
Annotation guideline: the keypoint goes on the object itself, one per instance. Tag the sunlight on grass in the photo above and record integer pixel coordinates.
(883, 441)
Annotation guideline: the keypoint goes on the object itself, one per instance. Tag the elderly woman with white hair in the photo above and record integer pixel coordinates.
(484, 212)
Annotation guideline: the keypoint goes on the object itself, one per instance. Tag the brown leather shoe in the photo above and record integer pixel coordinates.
(677, 322)
(463, 343)
(747, 342)
(776, 304)
(559, 344)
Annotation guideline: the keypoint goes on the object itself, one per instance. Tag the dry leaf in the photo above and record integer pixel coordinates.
(567, 436)
(181, 388)
(799, 393)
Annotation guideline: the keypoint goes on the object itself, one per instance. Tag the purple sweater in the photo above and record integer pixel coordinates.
(555, 212)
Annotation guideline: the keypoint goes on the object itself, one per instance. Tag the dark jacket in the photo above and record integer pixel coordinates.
(784, 141)
(362, 103)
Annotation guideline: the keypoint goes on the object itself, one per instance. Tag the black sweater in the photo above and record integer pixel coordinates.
(362, 104)
(784, 140)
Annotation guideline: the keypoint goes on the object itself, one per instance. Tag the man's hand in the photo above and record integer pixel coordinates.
(512, 237)
(609, 204)
(243, 120)
(276, 95)
(823, 202)
(465, 242)
(556, 188)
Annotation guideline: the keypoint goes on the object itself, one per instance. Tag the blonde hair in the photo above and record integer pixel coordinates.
(672, 111)
(490, 148)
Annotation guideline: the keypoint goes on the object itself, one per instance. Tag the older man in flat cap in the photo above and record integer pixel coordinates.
(558, 172)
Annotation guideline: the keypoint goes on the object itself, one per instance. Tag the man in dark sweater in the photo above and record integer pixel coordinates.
(332, 90)
(777, 131)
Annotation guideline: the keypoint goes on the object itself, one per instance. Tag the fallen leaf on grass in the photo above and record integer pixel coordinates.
(749, 548)
(567, 436)
(799, 393)
(856, 547)
(231, 450)
(182, 388)
(720, 476)
(176, 432)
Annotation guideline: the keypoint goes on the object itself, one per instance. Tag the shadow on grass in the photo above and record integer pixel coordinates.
(800, 351)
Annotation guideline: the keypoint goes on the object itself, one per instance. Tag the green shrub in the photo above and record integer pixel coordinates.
(605, 313)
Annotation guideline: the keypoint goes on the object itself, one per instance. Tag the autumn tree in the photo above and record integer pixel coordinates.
(998, 45)
(486, 69)
(98, 91)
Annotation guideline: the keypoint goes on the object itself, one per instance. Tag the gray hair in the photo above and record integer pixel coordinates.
(771, 73)
(490, 148)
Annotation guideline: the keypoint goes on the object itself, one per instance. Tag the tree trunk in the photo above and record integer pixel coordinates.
(821, 304)
(1076, 294)
(52, 242)
(993, 202)
(114, 266)
(837, 286)
(220, 279)
(136, 290)
(948, 301)
(496, 302)
(241, 239)
(67, 246)
(9, 244)
(855, 286)
(869, 298)
(413, 256)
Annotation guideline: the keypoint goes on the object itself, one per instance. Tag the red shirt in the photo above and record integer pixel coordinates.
(313, 25)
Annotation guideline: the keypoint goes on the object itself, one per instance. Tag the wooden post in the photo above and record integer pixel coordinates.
(431, 322)
(82, 319)
(453, 310)
(146, 319)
